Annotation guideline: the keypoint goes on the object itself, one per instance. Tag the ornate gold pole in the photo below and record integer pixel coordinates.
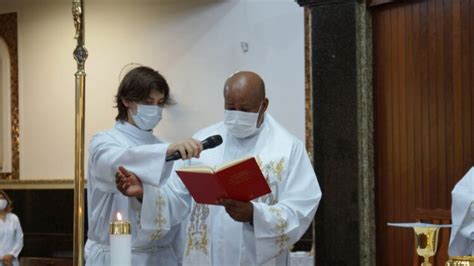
(80, 55)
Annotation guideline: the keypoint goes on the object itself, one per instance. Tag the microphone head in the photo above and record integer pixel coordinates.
(212, 141)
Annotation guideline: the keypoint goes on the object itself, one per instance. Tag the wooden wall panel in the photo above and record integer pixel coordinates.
(424, 104)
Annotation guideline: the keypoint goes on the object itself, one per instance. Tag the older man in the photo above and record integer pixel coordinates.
(248, 233)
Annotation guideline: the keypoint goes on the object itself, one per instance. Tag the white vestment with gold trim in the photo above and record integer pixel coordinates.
(143, 154)
(280, 218)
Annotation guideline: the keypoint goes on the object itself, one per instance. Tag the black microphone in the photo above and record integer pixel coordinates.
(209, 143)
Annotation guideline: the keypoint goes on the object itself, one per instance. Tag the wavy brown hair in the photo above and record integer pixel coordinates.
(9, 207)
(136, 87)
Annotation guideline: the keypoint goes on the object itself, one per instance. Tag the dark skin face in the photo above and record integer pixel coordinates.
(245, 91)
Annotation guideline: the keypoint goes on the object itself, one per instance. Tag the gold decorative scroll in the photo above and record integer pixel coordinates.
(8, 32)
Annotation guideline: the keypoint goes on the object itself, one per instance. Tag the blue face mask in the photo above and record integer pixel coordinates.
(147, 117)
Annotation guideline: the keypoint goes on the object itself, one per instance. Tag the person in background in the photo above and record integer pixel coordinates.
(11, 235)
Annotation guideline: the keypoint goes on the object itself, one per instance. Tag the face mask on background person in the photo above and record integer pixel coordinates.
(148, 116)
(3, 204)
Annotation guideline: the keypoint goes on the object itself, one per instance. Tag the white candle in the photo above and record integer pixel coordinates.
(120, 242)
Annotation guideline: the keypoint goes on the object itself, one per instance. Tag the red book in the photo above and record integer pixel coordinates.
(240, 180)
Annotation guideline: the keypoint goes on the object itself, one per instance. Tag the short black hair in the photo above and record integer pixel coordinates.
(137, 85)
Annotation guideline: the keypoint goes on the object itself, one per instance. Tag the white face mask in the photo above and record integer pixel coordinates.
(3, 204)
(241, 124)
(147, 117)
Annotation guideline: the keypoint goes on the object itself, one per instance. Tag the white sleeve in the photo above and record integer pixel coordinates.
(462, 195)
(146, 161)
(462, 239)
(17, 244)
(164, 206)
(276, 227)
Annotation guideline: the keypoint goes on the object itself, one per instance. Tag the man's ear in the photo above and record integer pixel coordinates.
(264, 109)
(265, 104)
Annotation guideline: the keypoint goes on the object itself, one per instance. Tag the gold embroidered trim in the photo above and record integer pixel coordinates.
(278, 169)
(159, 220)
(273, 168)
(281, 227)
(197, 229)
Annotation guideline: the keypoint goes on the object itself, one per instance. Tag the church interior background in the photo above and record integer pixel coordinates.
(381, 91)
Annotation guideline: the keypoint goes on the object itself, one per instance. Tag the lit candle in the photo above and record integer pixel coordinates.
(120, 242)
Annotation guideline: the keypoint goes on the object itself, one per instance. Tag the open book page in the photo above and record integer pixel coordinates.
(197, 169)
(195, 165)
(231, 163)
(202, 168)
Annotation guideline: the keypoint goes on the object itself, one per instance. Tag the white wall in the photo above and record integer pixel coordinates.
(194, 43)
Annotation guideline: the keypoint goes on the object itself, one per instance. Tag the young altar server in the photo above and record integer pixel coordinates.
(141, 96)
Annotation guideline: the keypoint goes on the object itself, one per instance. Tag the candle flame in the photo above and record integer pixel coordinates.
(119, 216)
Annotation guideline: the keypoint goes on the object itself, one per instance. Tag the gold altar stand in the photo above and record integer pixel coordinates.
(460, 261)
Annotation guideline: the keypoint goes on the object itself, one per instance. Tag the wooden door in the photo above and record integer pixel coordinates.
(424, 112)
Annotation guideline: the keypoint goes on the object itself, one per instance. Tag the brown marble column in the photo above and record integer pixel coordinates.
(341, 89)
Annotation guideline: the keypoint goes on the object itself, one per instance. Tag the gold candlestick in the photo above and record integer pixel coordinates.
(119, 228)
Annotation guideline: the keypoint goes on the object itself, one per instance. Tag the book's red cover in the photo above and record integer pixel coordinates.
(243, 182)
